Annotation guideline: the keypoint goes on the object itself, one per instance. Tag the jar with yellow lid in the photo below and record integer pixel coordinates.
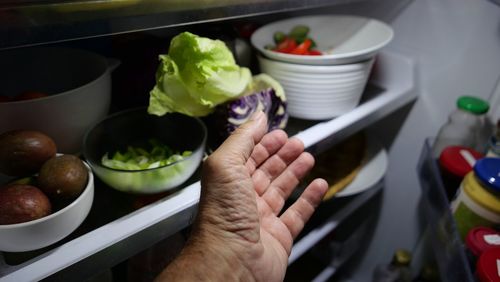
(478, 202)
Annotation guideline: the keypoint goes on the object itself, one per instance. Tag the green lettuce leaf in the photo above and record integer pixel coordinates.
(262, 82)
(196, 75)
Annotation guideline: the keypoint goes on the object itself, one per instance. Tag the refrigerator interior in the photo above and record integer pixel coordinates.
(441, 50)
(455, 45)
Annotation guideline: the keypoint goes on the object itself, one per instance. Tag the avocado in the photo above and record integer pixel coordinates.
(63, 177)
(23, 152)
(22, 203)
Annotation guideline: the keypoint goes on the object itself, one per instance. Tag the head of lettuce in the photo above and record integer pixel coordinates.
(195, 76)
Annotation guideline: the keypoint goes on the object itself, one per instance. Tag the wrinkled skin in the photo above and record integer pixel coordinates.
(240, 233)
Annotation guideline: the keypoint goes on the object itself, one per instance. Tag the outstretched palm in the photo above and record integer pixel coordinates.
(239, 233)
(245, 185)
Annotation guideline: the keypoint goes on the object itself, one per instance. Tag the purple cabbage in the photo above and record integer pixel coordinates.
(230, 115)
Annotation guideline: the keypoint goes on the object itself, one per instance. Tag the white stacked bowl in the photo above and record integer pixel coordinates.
(319, 92)
(328, 85)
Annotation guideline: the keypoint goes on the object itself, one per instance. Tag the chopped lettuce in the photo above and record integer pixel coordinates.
(195, 76)
(137, 158)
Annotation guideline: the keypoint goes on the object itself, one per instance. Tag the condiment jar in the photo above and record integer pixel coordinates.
(488, 266)
(455, 162)
(475, 203)
(480, 239)
(466, 126)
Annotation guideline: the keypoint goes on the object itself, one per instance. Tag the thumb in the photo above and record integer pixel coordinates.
(239, 145)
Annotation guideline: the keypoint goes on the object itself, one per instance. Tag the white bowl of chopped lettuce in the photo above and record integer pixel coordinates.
(136, 152)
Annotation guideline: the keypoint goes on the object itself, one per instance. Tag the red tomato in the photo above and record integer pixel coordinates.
(314, 53)
(29, 95)
(303, 48)
(286, 46)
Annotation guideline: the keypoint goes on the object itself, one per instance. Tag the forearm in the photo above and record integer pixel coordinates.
(205, 259)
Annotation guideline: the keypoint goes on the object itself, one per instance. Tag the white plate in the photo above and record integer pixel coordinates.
(373, 169)
(350, 38)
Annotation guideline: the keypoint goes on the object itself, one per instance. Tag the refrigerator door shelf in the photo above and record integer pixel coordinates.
(449, 250)
(122, 232)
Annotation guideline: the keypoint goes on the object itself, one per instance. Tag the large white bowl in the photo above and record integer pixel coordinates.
(328, 92)
(322, 113)
(314, 69)
(45, 231)
(319, 103)
(306, 98)
(78, 83)
(321, 86)
(345, 39)
(321, 79)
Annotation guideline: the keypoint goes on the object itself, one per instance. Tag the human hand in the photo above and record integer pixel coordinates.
(239, 233)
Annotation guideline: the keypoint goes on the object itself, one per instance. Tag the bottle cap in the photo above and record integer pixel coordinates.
(487, 266)
(454, 160)
(401, 258)
(480, 239)
(487, 170)
(473, 104)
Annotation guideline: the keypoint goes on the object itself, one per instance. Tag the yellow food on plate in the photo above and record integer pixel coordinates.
(340, 164)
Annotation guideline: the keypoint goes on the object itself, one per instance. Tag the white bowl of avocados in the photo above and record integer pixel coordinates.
(40, 209)
(45, 231)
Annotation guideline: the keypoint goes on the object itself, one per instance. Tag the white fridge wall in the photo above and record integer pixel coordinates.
(456, 46)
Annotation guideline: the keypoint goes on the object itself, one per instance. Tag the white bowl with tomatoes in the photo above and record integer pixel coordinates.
(322, 39)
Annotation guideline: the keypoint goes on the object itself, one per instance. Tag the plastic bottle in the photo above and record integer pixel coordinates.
(467, 126)
(397, 271)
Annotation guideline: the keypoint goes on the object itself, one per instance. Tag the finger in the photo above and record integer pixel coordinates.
(237, 148)
(268, 146)
(296, 216)
(276, 164)
(280, 189)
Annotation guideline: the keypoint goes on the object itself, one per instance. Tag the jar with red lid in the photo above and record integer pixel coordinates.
(455, 162)
(480, 239)
(488, 266)
(477, 202)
